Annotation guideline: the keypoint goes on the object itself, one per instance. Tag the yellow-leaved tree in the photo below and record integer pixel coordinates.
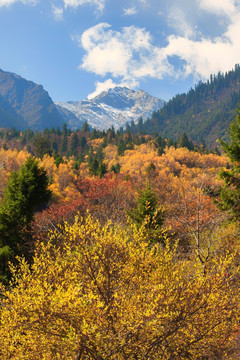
(97, 292)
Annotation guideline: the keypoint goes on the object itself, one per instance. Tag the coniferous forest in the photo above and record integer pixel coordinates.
(204, 113)
(118, 245)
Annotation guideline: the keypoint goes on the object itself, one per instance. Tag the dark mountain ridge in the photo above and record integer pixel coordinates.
(28, 102)
(204, 113)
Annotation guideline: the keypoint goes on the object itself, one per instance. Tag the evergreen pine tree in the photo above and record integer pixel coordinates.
(148, 215)
(116, 168)
(74, 144)
(42, 146)
(85, 127)
(94, 167)
(64, 129)
(54, 145)
(64, 144)
(57, 158)
(121, 147)
(230, 193)
(185, 142)
(102, 170)
(94, 134)
(26, 192)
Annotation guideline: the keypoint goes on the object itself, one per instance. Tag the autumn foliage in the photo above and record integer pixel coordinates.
(101, 293)
(100, 286)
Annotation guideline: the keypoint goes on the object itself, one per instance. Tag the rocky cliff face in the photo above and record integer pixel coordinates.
(8, 116)
(114, 107)
(27, 104)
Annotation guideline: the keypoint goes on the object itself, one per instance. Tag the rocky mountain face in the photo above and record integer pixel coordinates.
(69, 118)
(24, 104)
(114, 107)
(8, 116)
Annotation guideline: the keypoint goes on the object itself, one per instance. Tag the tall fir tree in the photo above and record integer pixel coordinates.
(26, 192)
(230, 193)
(149, 215)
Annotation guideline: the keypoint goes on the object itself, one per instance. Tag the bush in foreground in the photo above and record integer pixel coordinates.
(101, 293)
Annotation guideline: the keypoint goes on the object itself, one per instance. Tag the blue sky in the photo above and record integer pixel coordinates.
(78, 48)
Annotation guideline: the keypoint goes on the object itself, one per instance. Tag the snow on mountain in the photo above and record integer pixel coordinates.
(114, 107)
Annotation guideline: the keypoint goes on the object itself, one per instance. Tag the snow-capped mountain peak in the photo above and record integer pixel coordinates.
(114, 107)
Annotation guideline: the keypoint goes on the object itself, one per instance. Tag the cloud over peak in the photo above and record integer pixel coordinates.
(128, 55)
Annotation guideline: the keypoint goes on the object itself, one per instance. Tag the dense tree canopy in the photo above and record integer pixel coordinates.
(96, 289)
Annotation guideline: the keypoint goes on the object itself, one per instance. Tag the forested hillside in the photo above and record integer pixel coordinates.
(204, 113)
(118, 246)
(78, 144)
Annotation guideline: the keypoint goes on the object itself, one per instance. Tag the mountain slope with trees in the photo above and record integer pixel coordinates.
(204, 113)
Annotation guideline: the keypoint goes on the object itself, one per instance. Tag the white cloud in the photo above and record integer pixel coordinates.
(11, 2)
(99, 4)
(128, 55)
(207, 56)
(130, 11)
(144, 2)
(200, 57)
(177, 20)
(57, 13)
(106, 53)
(218, 7)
